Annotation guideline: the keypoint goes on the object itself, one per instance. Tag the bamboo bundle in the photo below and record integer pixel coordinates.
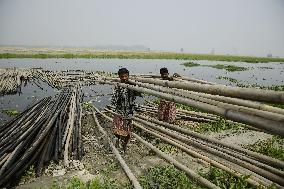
(250, 164)
(171, 160)
(274, 127)
(36, 136)
(184, 147)
(271, 176)
(254, 155)
(238, 92)
(265, 114)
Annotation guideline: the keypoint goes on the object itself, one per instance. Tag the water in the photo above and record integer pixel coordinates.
(257, 73)
(262, 73)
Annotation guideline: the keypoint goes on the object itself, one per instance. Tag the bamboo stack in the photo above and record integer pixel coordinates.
(235, 160)
(49, 130)
(256, 114)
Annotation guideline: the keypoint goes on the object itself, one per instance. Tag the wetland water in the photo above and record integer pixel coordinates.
(266, 74)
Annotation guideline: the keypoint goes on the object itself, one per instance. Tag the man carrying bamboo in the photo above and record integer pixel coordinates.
(166, 109)
(123, 101)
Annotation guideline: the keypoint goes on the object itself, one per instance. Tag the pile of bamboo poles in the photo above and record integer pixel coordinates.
(11, 79)
(235, 105)
(49, 130)
(233, 159)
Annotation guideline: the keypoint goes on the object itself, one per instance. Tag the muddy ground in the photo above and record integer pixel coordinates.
(99, 161)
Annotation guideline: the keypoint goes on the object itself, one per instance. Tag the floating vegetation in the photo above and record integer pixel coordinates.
(141, 55)
(272, 87)
(11, 112)
(229, 68)
(221, 124)
(228, 78)
(271, 147)
(265, 68)
(190, 64)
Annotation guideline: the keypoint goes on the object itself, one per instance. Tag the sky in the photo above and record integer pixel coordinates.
(237, 27)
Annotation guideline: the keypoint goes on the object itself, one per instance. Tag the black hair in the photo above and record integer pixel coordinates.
(164, 70)
(123, 71)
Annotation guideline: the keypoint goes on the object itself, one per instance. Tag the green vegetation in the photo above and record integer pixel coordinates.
(143, 55)
(228, 78)
(229, 68)
(221, 124)
(76, 183)
(225, 180)
(166, 177)
(188, 108)
(29, 174)
(11, 112)
(272, 87)
(87, 105)
(271, 147)
(168, 148)
(190, 64)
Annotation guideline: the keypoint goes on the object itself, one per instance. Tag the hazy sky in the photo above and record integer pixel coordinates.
(242, 27)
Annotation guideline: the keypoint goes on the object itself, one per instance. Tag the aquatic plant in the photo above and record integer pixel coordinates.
(190, 64)
(11, 112)
(228, 78)
(229, 68)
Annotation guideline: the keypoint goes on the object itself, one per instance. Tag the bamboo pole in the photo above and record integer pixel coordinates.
(182, 167)
(257, 156)
(123, 164)
(270, 126)
(240, 102)
(183, 93)
(70, 124)
(244, 93)
(195, 154)
(249, 166)
(188, 171)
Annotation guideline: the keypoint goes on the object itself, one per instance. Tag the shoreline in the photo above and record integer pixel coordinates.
(69, 53)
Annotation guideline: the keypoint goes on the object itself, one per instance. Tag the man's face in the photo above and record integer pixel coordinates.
(123, 77)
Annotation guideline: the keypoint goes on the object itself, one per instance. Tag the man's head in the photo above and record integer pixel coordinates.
(164, 73)
(123, 74)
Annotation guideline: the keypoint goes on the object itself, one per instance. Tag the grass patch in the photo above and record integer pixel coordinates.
(186, 107)
(190, 64)
(220, 125)
(229, 68)
(166, 177)
(76, 183)
(225, 180)
(29, 174)
(228, 79)
(271, 147)
(141, 55)
(87, 105)
(168, 148)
